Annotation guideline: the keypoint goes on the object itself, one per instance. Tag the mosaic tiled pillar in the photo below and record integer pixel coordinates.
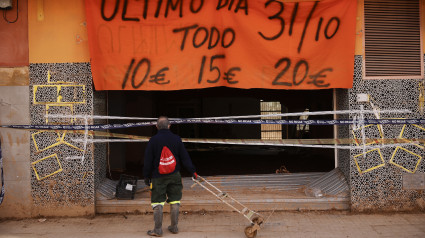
(62, 181)
(376, 176)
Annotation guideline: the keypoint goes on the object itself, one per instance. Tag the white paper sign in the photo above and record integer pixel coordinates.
(129, 187)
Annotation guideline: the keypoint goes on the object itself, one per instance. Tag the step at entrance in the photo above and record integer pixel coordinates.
(264, 192)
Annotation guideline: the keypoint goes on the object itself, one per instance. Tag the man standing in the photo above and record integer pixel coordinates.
(164, 156)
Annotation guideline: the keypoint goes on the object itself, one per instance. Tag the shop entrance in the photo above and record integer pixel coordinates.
(214, 159)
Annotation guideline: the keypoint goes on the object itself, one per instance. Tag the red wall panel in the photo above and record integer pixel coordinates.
(14, 36)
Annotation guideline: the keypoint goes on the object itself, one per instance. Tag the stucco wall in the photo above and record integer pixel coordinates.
(14, 36)
(57, 31)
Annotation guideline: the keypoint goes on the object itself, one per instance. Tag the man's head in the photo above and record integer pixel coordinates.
(162, 123)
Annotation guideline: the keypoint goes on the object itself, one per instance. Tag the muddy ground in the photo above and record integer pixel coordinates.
(223, 224)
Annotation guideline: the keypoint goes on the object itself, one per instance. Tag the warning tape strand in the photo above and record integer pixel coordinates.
(215, 121)
(289, 114)
(339, 141)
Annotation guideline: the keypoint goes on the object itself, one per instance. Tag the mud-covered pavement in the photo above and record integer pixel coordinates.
(223, 224)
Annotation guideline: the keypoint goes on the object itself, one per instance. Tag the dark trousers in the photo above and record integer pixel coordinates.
(166, 189)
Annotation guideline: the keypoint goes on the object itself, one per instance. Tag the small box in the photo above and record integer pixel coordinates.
(126, 187)
(6, 4)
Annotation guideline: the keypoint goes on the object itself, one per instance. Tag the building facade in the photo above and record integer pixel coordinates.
(45, 70)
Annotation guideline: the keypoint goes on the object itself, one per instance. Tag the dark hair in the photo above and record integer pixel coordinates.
(162, 122)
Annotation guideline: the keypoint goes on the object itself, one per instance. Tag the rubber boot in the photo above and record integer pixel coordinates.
(174, 214)
(157, 217)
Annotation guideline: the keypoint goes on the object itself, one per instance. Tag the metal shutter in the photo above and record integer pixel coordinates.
(392, 39)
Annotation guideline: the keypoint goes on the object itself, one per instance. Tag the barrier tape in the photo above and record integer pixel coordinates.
(371, 146)
(321, 143)
(289, 114)
(2, 177)
(342, 141)
(228, 121)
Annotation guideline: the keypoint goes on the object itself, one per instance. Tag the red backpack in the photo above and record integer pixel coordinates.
(167, 162)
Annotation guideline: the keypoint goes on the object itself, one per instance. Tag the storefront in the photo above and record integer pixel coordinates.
(86, 62)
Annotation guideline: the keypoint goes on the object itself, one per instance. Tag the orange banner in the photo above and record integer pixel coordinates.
(187, 44)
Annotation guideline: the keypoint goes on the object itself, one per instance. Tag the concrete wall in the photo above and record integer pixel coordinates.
(14, 110)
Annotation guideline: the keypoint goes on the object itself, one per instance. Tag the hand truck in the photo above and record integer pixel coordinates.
(254, 218)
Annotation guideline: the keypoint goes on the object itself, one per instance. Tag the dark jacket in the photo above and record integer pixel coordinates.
(165, 137)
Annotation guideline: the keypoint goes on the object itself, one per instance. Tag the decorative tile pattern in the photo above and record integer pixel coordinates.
(369, 160)
(381, 188)
(407, 157)
(60, 177)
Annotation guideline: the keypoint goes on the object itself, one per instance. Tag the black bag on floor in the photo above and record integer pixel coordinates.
(126, 187)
